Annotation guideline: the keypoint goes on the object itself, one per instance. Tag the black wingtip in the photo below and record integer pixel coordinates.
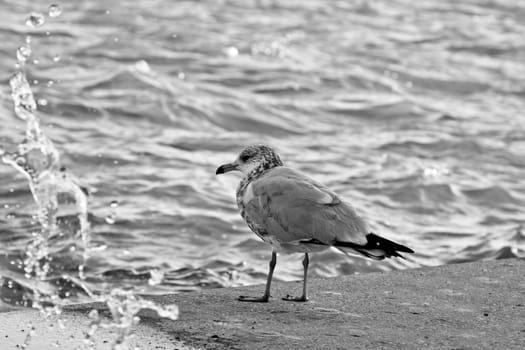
(374, 243)
(391, 248)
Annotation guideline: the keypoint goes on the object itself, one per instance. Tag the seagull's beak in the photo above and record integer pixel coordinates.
(226, 168)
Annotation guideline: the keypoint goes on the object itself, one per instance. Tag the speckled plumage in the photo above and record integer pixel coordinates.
(270, 161)
(294, 213)
(290, 210)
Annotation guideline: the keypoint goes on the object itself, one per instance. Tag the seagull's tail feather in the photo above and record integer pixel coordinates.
(376, 247)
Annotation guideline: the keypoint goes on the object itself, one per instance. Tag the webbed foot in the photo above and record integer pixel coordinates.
(263, 299)
(302, 298)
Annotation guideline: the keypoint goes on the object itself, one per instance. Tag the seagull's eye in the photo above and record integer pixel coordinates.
(245, 157)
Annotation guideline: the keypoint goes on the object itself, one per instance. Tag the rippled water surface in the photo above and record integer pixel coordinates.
(411, 110)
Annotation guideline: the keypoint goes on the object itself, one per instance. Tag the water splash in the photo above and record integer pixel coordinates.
(156, 277)
(23, 53)
(56, 192)
(61, 201)
(54, 10)
(62, 215)
(110, 219)
(124, 306)
(35, 19)
(25, 105)
(62, 204)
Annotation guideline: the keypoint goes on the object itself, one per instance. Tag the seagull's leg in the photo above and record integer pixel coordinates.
(266, 295)
(303, 297)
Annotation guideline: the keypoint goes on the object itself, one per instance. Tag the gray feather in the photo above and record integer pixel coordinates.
(292, 207)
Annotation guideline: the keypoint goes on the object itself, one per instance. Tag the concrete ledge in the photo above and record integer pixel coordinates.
(477, 305)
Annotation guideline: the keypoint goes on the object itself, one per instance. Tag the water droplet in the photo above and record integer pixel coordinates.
(23, 53)
(435, 172)
(36, 61)
(181, 75)
(156, 277)
(110, 219)
(113, 204)
(25, 104)
(54, 10)
(231, 51)
(93, 315)
(142, 66)
(10, 216)
(35, 20)
(42, 102)
(116, 40)
(50, 83)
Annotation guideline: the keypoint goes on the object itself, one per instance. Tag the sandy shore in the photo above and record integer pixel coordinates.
(477, 305)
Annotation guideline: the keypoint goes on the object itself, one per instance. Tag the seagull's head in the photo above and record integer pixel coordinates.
(255, 158)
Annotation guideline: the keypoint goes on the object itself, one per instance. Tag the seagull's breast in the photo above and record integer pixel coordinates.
(248, 195)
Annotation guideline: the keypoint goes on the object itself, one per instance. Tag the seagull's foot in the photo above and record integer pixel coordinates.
(302, 298)
(263, 299)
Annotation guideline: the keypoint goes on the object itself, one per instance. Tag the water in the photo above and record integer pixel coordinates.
(123, 306)
(63, 227)
(61, 202)
(410, 110)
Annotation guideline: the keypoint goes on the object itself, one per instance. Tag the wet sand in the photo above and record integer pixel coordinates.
(477, 305)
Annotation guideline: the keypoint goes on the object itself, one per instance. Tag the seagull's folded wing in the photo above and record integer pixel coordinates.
(294, 208)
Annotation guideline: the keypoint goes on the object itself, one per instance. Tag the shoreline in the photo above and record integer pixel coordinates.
(479, 305)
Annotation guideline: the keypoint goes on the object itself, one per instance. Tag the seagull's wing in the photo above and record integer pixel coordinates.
(292, 208)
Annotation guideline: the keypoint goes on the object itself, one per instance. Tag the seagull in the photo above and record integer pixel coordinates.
(296, 214)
